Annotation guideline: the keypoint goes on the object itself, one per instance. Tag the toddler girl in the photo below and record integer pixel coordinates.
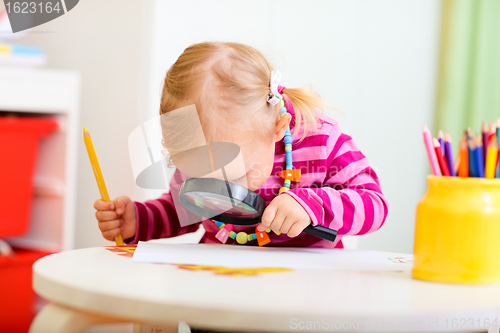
(229, 83)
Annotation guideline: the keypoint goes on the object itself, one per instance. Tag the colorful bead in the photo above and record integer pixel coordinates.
(241, 237)
(291, 175)
(262, 237)
(287, 182)
(222, 235)
(232, 234)
(283, 110)
(284, 189)
(287, 140)
(282, 103)
(288, 147)
(268, 230)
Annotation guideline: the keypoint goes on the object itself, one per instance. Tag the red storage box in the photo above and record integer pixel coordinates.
(16, 292)
(19, 141)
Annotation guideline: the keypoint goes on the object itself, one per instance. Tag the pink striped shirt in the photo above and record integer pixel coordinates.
(338, 189)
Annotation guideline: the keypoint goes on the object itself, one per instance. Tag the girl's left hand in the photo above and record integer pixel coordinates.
(286, 215)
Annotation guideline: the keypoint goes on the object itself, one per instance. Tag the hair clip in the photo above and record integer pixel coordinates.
(274, 96)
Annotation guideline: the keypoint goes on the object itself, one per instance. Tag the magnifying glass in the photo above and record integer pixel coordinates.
(231, 203)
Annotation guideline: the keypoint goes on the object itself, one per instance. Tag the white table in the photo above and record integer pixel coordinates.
(93, 285)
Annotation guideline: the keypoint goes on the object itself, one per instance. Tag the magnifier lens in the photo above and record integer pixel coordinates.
(232, 203)
(220, 204)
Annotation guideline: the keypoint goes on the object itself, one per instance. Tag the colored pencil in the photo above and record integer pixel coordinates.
(497, 174)
(477, 156)
(491, 158)
(463, 170)
(457, 162)
(431, 154)
(441, 141)
(471, 152)
(497, 132)
(484, 132)
(449, 154)
(440, 158)
(480, 157)
(493, 131)
(97, 173)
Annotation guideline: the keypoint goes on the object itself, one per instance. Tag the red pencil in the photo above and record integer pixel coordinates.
(440, 157)
(493, 131)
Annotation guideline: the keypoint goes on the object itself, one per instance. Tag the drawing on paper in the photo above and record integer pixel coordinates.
(128, 251)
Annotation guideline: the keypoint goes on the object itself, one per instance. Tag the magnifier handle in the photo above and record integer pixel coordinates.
(321, 232)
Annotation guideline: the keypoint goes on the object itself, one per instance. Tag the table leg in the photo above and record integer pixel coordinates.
(55, 318)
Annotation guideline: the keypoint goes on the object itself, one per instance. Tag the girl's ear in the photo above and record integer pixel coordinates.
(281, 126)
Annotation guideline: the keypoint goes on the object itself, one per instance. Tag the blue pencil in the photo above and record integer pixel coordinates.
(498, 130)
(479, 158)
(471, 153)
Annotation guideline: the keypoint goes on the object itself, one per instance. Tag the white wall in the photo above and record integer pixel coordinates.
(375, 60)
(101, 40)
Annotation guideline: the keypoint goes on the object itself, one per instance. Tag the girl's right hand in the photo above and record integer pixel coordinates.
(116, 217)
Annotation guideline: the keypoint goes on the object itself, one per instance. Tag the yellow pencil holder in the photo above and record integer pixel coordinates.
(457, 231)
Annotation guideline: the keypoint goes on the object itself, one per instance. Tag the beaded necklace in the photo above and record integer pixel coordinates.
(289, 175)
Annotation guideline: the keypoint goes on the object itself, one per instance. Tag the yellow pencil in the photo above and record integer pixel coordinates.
(97, 173)
(491, 158)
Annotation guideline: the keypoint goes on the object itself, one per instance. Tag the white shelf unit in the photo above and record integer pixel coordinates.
(56, 93)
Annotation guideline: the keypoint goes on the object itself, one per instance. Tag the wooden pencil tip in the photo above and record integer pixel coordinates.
(426, 129)
(463, 143)
(85, 132)
(436, 142)
(492, 140)
(447, 137)
(85, 129)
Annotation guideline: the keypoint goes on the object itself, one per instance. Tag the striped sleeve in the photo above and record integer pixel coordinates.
(350, 200)
(159, 218)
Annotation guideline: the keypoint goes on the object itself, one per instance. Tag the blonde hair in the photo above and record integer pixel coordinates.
(229, 84)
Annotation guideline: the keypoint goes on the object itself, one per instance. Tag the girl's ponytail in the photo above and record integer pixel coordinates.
(307, 104)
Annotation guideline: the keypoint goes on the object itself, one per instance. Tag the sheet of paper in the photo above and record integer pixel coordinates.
(255, 257)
